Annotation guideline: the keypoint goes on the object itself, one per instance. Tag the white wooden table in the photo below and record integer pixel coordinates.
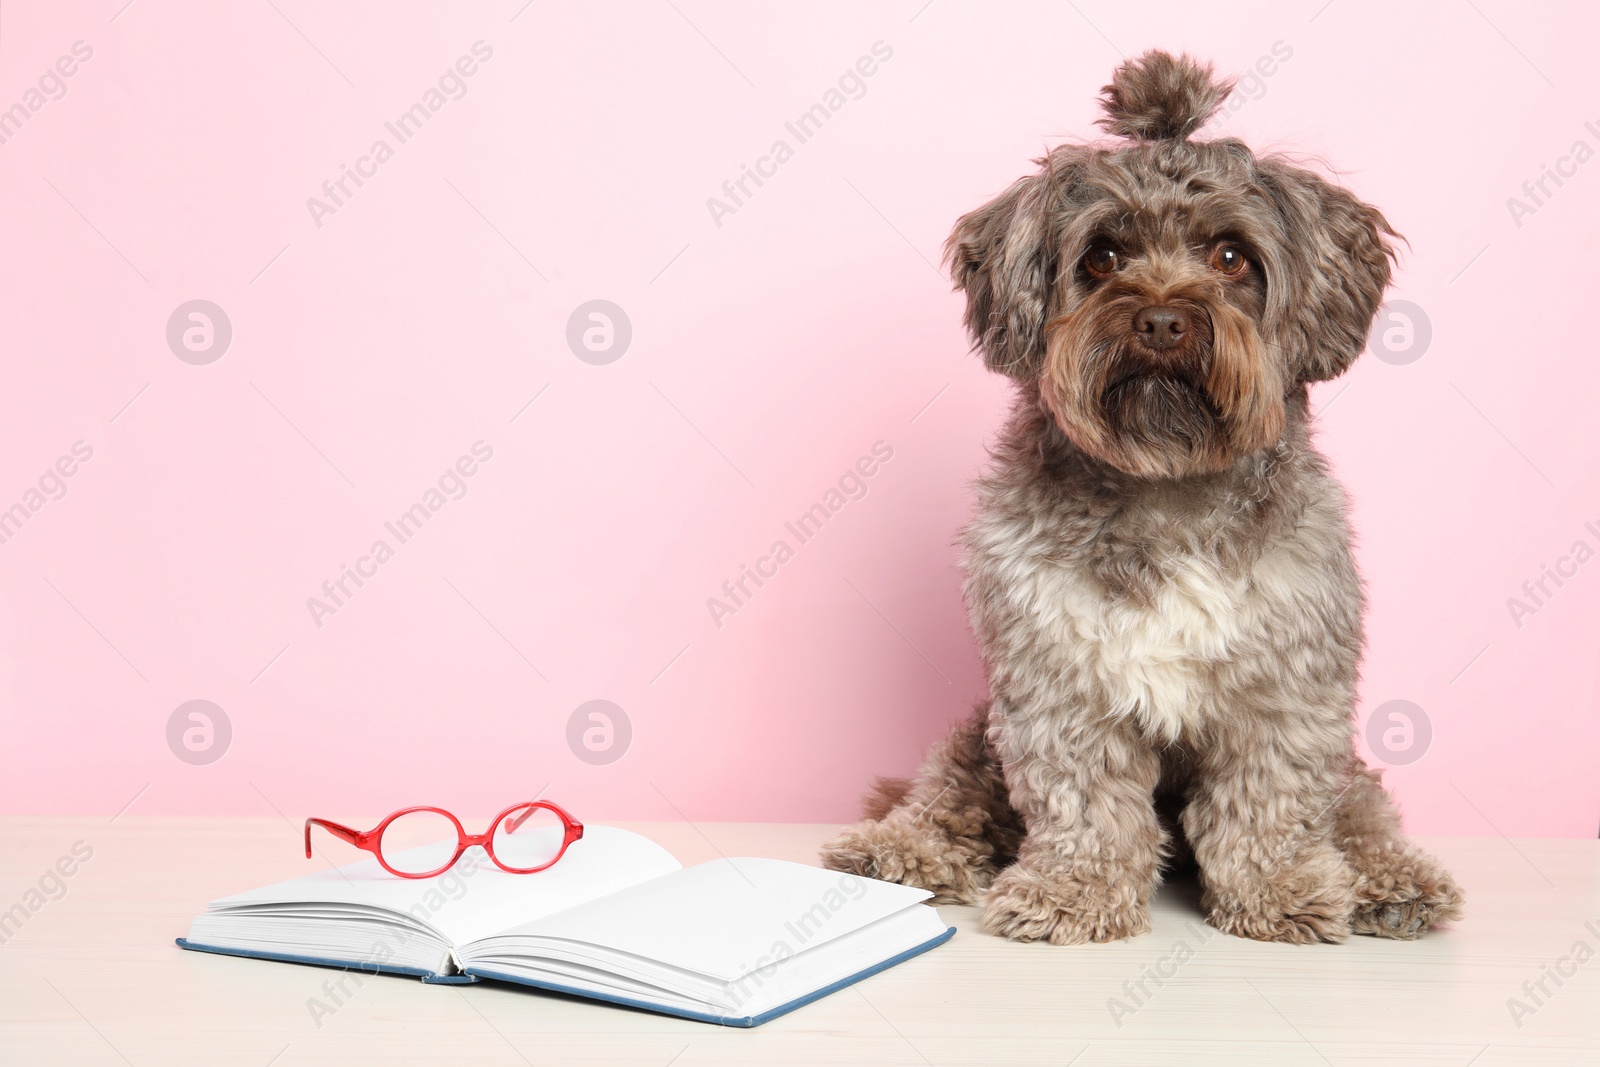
(91, 976)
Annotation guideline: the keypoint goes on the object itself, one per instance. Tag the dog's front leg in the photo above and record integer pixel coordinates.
(1084, 785)
(1401, 891)
(1260, 817)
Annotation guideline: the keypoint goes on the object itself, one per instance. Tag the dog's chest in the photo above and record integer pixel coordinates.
(1150, 658)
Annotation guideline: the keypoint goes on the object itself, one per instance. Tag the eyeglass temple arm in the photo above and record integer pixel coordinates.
(344, 833)
(576, 828)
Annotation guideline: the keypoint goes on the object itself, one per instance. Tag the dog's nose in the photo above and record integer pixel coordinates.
(1160, 327)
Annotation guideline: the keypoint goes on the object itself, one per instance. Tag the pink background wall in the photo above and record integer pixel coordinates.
(768, 354)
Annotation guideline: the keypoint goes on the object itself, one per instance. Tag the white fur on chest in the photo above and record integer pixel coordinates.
(1148, 660)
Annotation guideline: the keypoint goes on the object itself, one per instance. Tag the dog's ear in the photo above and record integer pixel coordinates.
(1003, 257)
(1336, 263)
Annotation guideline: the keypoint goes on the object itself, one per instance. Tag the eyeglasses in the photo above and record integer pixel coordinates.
(422, 842)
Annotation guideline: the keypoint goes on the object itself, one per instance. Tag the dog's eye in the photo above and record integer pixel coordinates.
(1102, 261)
(1229, 260)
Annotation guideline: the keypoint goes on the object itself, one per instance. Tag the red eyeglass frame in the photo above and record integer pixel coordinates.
(372, 840)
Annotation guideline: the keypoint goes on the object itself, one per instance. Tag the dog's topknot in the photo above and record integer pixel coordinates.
(1159, 97)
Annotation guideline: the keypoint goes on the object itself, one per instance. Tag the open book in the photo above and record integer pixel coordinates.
(733, 941)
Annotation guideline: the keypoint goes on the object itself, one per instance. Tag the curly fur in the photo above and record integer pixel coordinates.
(950, 831)
(1160, 97)
(1160, 572)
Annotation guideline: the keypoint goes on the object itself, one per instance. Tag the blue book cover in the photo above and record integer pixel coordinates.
(473, 975)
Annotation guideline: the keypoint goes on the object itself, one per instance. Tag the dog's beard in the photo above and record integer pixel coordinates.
(1190, 410)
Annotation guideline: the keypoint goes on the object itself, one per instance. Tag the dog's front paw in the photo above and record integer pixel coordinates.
(912, 854)
(858, 850)
(1304, 905)
(1404, 899)
(1027, 906)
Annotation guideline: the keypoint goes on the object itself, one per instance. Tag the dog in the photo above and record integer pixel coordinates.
(1159, 572)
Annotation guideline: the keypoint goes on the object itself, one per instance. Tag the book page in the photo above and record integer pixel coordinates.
(725, 918)
(475, 899)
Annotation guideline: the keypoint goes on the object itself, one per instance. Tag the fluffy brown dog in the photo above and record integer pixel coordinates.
(1159, 573)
